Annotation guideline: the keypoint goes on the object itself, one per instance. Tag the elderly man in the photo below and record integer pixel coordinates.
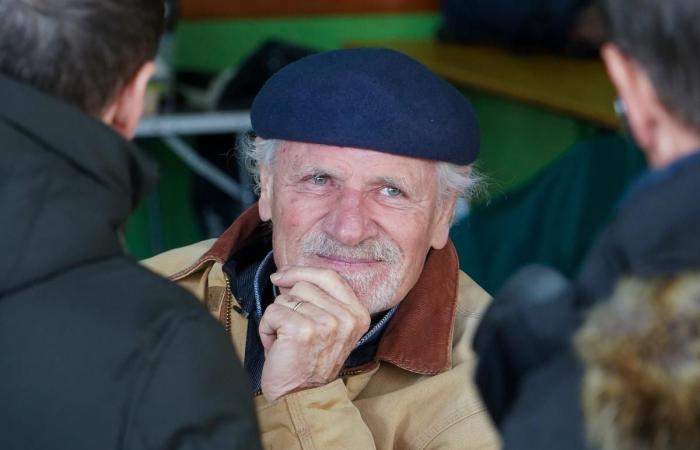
(340, 288)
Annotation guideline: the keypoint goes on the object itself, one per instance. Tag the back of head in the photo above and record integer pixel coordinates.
(82, 51)
(663, 36)
(641, 389)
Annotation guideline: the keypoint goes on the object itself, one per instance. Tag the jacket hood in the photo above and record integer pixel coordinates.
(68, 182)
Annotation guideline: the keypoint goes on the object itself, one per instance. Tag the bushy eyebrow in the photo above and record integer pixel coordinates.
(399, 182)
(307, 169)
(402, 183)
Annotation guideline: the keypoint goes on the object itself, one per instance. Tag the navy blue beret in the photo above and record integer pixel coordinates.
(368, 98)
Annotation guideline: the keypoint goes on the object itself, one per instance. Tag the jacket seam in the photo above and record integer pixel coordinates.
(450, 421)
(301, 428)
(191, 269)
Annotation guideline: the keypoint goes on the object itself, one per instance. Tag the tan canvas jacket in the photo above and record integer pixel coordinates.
(417, 395)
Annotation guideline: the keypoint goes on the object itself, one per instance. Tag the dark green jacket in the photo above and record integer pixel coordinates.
(96, 352)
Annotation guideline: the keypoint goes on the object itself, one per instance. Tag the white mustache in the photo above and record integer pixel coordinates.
(378, 250)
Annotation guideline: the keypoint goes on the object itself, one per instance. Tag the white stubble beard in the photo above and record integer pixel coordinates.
(374, 291)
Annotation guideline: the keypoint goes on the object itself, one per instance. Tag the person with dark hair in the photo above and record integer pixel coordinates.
(97, 351)
(529, 374)
(340, 287)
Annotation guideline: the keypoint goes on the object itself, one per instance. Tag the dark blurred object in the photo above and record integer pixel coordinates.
(573, 27)
(235, 88)
(524, 331)
(529, 320)
(213, 208)
(172, 11)
(536, 400)
(270, 57)
(231, 90)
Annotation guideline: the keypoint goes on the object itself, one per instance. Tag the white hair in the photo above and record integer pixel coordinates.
(453, 180)
(256, 152)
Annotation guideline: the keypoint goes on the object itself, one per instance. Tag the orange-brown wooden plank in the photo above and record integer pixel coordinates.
(576, 87)
(212, 9)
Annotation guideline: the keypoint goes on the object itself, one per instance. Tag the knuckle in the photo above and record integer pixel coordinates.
(282, 299)
(330, 325)
(363, 320)
(346, 326)
(329, 273)
(300, 288)
(365, 316)
(273, 308)
(305, 332)
(286, 301)
(325, 270)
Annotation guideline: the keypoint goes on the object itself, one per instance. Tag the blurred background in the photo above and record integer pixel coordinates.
(554, 155)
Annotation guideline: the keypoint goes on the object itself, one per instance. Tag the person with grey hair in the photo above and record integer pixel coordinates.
(97, 352)
(340, 287)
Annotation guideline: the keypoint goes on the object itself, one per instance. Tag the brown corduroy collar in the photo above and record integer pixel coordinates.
(419, 337)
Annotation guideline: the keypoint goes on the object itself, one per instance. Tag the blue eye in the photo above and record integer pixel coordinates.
(392, 191)
(319, 179)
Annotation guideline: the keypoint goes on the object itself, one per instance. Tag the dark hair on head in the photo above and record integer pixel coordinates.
(82, 51)
(663, 36)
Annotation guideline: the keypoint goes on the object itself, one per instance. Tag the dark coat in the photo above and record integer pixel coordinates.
(529, 374)
(96, 351)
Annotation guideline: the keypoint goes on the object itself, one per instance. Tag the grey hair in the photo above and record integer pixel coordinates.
(453, 180)
(461, 181)
(256, 152)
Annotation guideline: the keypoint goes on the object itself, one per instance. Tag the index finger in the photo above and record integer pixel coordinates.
(328, 280)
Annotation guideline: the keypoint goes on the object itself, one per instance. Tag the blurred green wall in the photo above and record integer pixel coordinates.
(215, 45)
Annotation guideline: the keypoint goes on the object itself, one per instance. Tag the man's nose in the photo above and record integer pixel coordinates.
(349, 221)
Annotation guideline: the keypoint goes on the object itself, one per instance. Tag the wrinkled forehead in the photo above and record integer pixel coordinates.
(300, 157)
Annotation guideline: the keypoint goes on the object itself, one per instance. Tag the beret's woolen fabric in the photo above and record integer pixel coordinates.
(368, 98)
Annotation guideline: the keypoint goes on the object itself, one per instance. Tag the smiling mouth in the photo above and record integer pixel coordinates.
(348, 262)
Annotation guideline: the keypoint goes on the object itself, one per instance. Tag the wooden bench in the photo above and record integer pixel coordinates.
(577, 87)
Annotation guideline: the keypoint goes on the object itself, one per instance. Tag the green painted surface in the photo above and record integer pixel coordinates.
(164, 220)
(215, 45)
(137, 233)
(519, 140)
(553, 219)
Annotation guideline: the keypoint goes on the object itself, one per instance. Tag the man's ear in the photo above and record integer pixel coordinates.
(442, 223)
(124, 114)
(265, 202)
(635, 89)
